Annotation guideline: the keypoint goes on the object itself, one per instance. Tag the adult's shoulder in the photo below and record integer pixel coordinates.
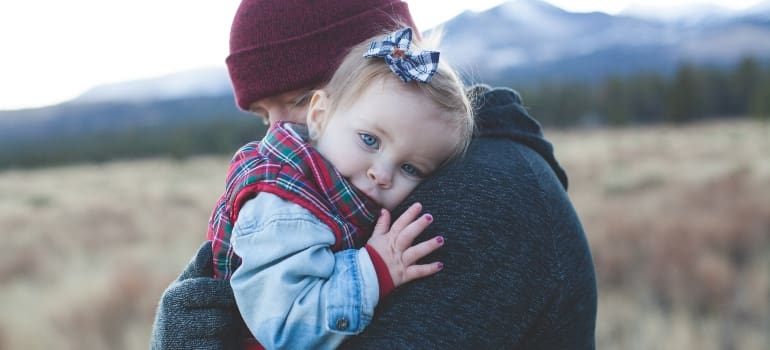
(500, 113)
(503, 214)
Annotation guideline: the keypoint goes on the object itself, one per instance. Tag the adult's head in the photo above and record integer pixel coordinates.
(280, 50)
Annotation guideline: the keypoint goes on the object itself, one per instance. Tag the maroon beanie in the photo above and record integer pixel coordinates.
(282, 45)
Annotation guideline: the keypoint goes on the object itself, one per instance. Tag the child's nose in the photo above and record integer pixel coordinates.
(380, 175)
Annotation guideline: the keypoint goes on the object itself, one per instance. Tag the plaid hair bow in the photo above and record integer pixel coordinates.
(417, 65)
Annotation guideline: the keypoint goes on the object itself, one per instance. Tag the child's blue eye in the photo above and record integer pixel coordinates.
(411, 170)
(369, 140)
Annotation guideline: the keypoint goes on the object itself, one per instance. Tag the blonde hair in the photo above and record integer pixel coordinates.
(445, 89)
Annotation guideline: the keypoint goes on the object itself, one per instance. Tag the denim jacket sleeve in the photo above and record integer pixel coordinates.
(292, 290)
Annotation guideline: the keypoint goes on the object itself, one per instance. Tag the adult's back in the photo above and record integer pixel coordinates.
(519, 272)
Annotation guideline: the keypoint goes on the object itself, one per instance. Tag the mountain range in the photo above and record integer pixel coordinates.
(526, 41)
(517, 43)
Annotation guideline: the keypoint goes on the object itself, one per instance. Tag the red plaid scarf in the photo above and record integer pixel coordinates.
(287, 166)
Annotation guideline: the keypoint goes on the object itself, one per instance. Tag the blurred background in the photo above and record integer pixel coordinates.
(117, 121)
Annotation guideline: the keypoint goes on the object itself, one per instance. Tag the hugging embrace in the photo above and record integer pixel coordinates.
(371, 215)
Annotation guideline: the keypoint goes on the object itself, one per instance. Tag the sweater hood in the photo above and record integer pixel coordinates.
(500, 113)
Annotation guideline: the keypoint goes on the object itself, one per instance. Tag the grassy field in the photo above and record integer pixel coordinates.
(678, 220)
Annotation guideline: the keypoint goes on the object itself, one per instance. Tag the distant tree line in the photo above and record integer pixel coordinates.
(174, 141)
(692, 93)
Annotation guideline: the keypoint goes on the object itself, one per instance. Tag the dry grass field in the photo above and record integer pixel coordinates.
(678, 220)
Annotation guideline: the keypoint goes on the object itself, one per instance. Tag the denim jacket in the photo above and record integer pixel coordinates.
(292, 290)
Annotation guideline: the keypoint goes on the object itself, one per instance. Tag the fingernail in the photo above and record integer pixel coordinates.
(440, 265)
(428, 217)
(382, 211)
(440, 239)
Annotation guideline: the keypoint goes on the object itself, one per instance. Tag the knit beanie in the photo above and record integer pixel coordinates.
(282, 45)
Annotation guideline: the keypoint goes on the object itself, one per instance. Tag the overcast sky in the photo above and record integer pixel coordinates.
(53, 50)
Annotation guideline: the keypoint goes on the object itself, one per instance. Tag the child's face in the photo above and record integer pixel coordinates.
(386, 142)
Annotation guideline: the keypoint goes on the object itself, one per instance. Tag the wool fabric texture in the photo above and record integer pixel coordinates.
(285, 165)
(219, 327)
(271, 40)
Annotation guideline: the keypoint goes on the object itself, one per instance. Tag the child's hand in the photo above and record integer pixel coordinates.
(394, 245)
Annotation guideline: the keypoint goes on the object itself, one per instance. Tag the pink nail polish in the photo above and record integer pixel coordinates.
(440, 266)
(440, 239)
(428, 217)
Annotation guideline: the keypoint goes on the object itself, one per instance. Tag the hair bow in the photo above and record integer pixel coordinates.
(409, 65)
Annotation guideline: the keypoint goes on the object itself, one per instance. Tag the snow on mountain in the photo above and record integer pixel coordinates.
(683, 14)
(522, 33)
(526, 40)
(531, 40)
(205, 82)
(761, 9)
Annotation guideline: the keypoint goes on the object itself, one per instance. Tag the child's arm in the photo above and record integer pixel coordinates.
(291, 289)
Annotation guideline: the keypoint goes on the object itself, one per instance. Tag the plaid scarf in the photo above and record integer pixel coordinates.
(284, 164)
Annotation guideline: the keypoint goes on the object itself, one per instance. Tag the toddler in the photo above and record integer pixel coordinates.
(293, 231)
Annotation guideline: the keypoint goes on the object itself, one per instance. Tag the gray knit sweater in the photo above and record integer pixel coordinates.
(519, 273)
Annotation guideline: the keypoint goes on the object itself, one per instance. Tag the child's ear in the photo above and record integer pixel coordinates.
(317, 113)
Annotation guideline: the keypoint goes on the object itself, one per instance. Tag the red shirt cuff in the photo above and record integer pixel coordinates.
(383, 276)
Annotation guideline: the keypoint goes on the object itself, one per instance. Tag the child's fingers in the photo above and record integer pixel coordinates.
(421, 250)
(405, 237)
(407, 217)
(383, 223)
(419, 271)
